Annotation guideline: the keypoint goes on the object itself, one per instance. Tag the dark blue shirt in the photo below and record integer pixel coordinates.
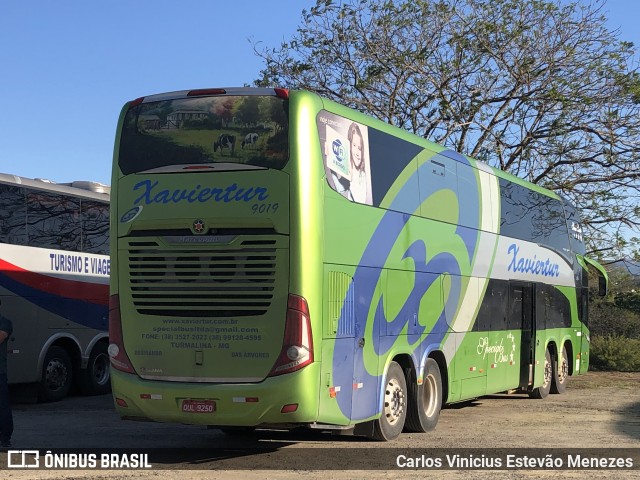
(5, 326)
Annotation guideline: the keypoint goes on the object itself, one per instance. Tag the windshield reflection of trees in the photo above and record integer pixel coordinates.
(529, 215)
(48, 220)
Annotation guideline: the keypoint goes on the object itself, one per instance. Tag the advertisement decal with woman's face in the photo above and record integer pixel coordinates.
(346, 156)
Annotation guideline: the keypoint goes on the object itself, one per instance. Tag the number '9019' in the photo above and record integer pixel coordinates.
(258, 208)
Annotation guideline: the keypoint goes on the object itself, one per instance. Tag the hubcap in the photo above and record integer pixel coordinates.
(429, 397)
(563, 371)
(394, 401)
(548, 372)
(101, 369)
(56, 374)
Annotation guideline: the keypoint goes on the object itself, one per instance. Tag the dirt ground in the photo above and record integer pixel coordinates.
(599, 410)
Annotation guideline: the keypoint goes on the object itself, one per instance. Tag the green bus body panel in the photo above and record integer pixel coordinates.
(404, 281)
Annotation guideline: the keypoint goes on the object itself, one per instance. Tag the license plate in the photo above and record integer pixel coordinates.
(198, 406)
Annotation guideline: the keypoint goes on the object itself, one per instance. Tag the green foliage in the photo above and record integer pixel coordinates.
(609, 319)
(613, 352)
(540, 88)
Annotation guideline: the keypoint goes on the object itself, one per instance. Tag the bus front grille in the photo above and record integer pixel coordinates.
(202, 281)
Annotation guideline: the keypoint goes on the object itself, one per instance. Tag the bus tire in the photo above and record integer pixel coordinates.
(425, 400)
(95, 379)
(394, 405)
(543, 390)
(560, 372)
(56, 375)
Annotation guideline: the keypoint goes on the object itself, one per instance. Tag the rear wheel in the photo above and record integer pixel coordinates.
(543, 390)
(394, 408)
(56, 375)
(560, 373)
(95, 378)
(425, 400)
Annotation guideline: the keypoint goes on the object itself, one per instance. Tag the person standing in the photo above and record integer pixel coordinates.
(6, 417)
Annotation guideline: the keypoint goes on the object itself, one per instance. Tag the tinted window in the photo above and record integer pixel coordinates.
(529, 215)
(575, 228)
(361, 163)
(389, 157)
(492, 315)
(13, 215)
(552, 308)
(346, 156)
(53, 221)
(248, 130)
(95, 227)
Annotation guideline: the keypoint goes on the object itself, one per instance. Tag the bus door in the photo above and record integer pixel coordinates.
(521, 317)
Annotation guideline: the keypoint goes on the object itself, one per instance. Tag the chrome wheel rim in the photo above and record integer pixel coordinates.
(394, 402)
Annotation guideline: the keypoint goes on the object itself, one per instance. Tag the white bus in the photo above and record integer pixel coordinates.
(54, 276)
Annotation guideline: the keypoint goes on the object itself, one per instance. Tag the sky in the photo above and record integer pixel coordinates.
(67, 68)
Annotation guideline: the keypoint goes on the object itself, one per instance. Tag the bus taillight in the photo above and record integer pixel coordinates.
(118, 356)
(297, 347)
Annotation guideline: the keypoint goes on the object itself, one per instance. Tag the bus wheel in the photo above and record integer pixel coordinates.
(543, 391)
(394, 408)
(56, 375)
(425, 400)
(95, 379)
(560, 373)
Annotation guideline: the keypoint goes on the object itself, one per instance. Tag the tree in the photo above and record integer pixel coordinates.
(619, 312)
(542, 89)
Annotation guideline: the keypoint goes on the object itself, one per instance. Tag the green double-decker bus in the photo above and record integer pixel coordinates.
(280, 260)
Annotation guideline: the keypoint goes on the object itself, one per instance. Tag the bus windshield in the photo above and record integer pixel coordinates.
(238, 130)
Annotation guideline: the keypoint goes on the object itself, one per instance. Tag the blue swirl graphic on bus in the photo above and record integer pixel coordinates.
(429, 266)
(131, 214)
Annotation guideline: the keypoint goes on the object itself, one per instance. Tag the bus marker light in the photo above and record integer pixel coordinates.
(206, 91)
(292, 407)
(245, 399)
(333, 391)
(358, 385)
(472, 369)
(493, 365)
(150, 396)
(135, 102)
(121, 403)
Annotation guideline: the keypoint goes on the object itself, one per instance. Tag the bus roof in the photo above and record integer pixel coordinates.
(81, 188)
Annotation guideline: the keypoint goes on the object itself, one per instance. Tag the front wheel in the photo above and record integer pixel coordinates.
(56, 375)
(394, 408)
(425, 400)
(560, 373)
(543, 390)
